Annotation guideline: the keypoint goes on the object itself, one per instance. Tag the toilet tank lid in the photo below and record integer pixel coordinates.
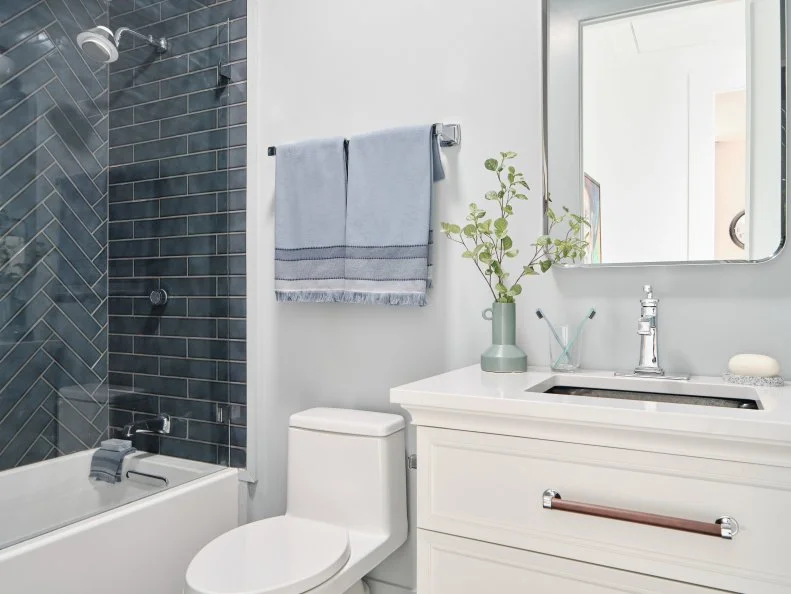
(344, 420)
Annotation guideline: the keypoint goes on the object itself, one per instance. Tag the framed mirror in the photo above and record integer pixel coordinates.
(665, 127)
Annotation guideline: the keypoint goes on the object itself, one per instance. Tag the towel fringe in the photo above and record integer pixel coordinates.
(407, 299)
(308, 296)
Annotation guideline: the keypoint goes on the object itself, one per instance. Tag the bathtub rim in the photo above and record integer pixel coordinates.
(52, 536)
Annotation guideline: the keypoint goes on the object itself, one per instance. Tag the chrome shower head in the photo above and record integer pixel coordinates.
(101, 44)
(98, 44)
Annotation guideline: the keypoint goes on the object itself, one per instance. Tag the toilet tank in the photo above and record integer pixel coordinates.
(348, 467)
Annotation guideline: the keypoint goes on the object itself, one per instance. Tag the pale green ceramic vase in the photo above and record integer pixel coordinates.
(503, 356)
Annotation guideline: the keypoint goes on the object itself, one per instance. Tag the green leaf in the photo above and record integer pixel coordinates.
(509, 155)
(500, 225)
(516, 290)
(492, 195)
(490, 164)
(543, 241)
(546, 265)
(529, 271)
(520, 196)
(501, 288)
(453, 229)
(512, 253)
(470, 230)
(507, 242)
(485, 256)
(468, 254)
(444, 227)
(511, 169)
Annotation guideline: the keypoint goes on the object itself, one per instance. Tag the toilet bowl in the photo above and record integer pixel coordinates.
(345, 513)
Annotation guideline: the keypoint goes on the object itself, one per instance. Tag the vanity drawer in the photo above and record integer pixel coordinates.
(490, 488)
(454, 565)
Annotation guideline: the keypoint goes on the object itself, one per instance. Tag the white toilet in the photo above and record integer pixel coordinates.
(345, 513)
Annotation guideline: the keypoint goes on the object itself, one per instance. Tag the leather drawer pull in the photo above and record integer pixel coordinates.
(724, 527)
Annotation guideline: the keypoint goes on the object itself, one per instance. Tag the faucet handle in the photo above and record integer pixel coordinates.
(649, 291)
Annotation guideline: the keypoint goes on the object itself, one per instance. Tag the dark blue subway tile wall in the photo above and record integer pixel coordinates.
(177, 222)
(53, 232)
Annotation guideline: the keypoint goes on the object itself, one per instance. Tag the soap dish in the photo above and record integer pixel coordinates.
(749, 380)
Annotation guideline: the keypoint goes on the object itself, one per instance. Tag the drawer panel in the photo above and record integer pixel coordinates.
(490, 487)
(454, 565)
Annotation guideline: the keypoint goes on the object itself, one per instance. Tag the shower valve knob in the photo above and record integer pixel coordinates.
(158, 297)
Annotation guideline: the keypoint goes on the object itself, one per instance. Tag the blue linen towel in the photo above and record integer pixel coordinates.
(310, 220)
(106, 464)
(388, 221)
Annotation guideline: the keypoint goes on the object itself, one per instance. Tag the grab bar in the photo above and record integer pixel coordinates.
(725, 527)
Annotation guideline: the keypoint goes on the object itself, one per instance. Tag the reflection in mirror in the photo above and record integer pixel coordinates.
(673, 148)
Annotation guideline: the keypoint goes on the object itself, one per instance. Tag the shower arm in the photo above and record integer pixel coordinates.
(161, 44)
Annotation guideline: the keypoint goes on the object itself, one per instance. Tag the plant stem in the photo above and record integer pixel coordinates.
(478, 266)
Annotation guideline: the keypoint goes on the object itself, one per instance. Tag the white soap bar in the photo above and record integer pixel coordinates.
(754, 365)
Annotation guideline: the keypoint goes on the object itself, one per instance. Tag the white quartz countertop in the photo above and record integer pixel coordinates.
(521, 395)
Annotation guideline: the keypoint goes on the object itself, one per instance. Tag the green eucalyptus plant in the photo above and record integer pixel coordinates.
(486, 241)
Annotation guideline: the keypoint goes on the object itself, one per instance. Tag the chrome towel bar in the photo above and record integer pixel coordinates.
(448, 135)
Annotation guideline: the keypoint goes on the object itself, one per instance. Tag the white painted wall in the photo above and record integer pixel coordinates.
(347, 66)
(350, 66)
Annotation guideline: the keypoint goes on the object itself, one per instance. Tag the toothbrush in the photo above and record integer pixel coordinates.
(567, 349)
(541, 316)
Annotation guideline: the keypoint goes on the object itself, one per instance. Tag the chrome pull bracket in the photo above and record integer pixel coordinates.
(729, 527)
(549, 495)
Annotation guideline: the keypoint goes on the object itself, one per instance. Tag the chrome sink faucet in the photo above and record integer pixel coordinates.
(159, 424)
(647, 329)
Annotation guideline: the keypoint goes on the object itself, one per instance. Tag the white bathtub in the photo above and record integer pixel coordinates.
(77, 536)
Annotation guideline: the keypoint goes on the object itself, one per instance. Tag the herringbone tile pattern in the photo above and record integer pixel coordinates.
(53, 232)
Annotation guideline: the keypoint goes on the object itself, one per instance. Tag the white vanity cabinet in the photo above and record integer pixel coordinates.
(554, 505)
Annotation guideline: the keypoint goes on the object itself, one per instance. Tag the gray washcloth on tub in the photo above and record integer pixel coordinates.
(106, 464)
(388, 221)
(310, 220)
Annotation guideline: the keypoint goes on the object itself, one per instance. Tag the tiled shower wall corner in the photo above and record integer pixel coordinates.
(177, 222)
(53, 229)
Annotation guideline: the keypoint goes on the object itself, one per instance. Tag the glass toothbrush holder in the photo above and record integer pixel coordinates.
(565, 349)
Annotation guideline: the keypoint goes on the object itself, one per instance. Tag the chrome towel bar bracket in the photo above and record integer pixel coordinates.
(448, 135)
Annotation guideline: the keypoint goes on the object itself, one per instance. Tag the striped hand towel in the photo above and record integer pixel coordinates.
(310, 221)
(388, 220)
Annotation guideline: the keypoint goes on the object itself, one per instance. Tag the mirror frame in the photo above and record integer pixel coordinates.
(784, 30)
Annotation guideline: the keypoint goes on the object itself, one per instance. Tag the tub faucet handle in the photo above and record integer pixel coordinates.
(159, 424)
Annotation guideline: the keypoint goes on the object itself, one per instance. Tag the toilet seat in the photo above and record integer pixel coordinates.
(282, 555)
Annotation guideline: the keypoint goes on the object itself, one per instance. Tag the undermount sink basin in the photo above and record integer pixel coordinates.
(651, 390)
